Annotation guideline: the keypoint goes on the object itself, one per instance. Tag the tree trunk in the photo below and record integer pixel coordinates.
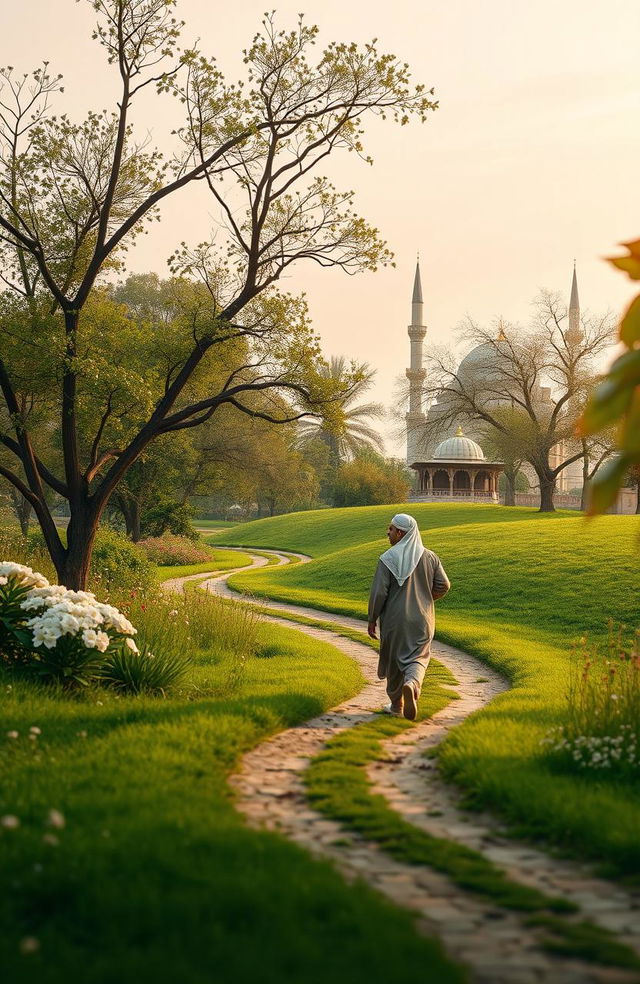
(510, 487)
(585, 477)
(22, 509)
(130, 509)
(547, 488)
(638, 499)
(73, 569)
(584, 496)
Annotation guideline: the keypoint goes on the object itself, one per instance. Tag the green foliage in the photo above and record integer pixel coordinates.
(145, 671)
(616, 400)
(69, 662)
(370, 480)
(168, 517)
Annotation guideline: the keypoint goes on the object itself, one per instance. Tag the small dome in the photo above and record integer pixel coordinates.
(458, 448)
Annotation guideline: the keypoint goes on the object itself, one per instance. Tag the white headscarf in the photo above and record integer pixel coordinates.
(403, 558)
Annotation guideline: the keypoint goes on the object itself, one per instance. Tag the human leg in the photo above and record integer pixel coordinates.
(413, 677)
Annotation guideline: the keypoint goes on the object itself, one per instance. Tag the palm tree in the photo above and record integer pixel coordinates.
(349, 429)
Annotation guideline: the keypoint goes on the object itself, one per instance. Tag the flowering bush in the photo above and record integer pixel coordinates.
(16, 581)
(602, 730)
(60, 633)
(170, 549)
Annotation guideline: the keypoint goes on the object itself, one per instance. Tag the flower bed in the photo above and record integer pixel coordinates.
(170, 549)
(69, 636)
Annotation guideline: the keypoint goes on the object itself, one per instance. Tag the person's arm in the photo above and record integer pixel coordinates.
(378, 596)
(441, 582)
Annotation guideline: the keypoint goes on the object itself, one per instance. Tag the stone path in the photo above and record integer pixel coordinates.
(495, 944)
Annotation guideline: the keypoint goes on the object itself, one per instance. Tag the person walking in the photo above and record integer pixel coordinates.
(408, 579)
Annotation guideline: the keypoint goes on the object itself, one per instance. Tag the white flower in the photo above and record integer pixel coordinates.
(4, 580)
(102, 641)
(89, 637)
(12, 734)
(69, 624)
(131, 645)
(23, 574)
(56, 819)
(9, 822)
(51, 839)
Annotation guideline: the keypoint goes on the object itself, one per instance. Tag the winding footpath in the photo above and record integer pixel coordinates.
(495, 944)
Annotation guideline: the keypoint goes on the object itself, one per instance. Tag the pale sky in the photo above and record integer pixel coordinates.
(531, 160)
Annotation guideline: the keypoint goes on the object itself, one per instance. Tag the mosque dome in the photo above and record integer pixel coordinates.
(458, 448)
(481, 362)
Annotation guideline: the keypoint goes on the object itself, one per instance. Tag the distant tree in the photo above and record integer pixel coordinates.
(369, 480)
(345, 428)
(74, 196)
(543, 373)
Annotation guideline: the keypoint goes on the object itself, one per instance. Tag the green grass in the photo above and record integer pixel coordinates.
(155, 877)
(324, 531)
(525, 586)
(213, 524)
(221, 560)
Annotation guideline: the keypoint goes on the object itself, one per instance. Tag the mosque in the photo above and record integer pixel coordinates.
(453, 466)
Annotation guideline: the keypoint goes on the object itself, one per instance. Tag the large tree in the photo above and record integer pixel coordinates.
(74, 196)
(539, 377)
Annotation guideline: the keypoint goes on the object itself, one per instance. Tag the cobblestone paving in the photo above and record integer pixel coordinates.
(492, 942)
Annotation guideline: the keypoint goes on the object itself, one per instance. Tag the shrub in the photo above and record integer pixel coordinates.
(119, 564)
(144, 671)
(172, 549)
(602, 730)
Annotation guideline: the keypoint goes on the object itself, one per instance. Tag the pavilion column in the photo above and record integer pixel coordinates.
(472, 474)
(429, 478)
(450, 473)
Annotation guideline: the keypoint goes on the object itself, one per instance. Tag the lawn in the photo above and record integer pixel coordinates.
(154, 876)
(525, 587)
(213, 524)
(221, 560)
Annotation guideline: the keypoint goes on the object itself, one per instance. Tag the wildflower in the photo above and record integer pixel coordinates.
(52, 839)
(29, 944)
(82, 734)
(9, 822)
(12, 734)
(99, 703)
(56, 819)
(131, 645)
(35, 730)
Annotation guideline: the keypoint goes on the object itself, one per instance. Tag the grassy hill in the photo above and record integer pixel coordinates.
(323, 531)
(526, 586)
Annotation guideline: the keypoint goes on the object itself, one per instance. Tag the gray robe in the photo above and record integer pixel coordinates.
(407, 617)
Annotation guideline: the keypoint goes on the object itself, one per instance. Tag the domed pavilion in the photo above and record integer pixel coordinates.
(458, 472)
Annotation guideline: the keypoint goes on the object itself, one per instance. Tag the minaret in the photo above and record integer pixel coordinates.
(415, 374)
(574, 332)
